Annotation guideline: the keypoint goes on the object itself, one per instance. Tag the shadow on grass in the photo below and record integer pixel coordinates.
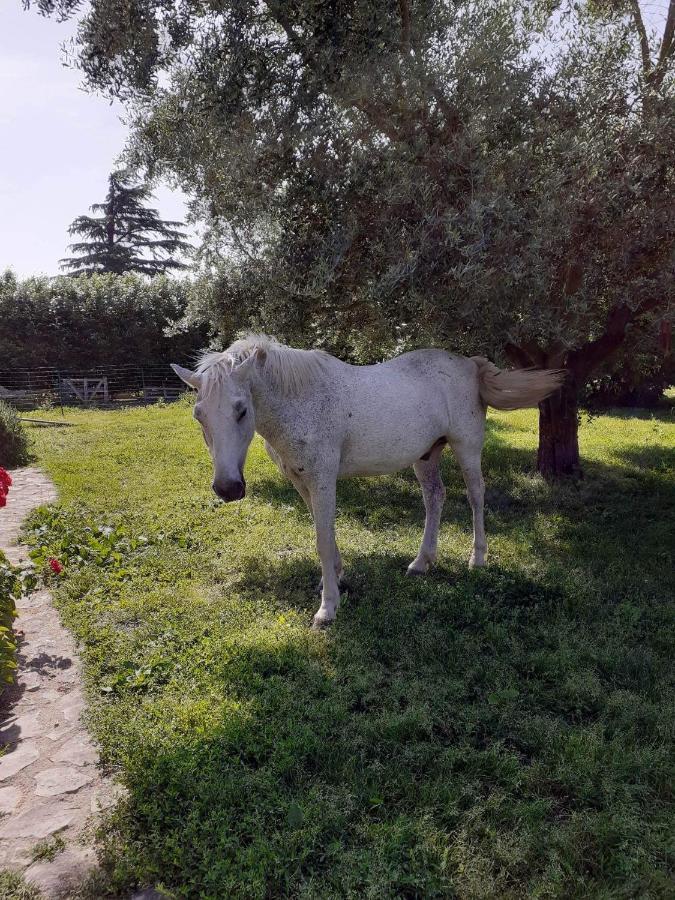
(660, 458)
(464, 702)
(619, 513)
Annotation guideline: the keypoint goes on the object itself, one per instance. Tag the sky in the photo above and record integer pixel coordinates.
(57, 144)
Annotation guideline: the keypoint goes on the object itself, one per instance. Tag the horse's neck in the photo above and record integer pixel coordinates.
(268, 405)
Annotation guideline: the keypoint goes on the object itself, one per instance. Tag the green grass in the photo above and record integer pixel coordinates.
(14, 887)
(48, 850)
(500, 733)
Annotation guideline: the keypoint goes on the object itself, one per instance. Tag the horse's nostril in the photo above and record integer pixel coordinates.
(229, 490)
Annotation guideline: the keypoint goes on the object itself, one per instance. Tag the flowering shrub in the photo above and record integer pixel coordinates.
(13, 582)
(5, 484)
(55, 565)
(73, 540)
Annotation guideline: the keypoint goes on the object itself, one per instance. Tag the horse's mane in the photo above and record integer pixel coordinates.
(288, 369)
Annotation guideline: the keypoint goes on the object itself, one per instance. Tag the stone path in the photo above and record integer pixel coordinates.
(49, 780)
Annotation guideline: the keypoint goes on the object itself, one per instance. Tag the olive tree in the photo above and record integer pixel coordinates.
(490, 176)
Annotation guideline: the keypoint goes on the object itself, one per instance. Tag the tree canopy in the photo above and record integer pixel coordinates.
(490, 176)
(126, 235)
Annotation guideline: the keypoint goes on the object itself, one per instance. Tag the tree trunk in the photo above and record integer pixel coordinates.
(558, 454)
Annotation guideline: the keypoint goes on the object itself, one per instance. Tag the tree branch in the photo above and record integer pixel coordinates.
(404, 8)
(525, 354)
(644, 40)
(587, 357)
(667, 48)
(667, 45)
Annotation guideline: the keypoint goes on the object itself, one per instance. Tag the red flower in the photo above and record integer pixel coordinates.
(5, 483)
(55, 565)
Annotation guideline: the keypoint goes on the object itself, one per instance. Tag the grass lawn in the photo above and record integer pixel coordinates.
(499, 733)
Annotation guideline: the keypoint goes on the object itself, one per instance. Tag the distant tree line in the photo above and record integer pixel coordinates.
(98, 320)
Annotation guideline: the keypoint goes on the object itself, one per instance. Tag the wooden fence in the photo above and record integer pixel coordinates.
(102, 386)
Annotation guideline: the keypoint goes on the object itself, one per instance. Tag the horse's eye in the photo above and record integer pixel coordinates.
(241, 414)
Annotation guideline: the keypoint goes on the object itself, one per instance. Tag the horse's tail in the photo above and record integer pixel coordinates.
(515, 388)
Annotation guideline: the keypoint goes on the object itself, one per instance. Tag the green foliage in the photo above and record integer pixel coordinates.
(497, 733)
(637, 377)
(75, 543)
(14, 443)
(126, 231)
(48, 849)
(10, 591)
(389, 174)
(14, 887)
(102, 320)
(13, 582)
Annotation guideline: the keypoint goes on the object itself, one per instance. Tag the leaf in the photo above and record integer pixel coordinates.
(294, 816)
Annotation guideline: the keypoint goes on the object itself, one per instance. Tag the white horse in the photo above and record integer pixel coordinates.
(323, 419)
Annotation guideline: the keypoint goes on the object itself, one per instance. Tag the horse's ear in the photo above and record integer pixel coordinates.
(190, 378)
(245, 366)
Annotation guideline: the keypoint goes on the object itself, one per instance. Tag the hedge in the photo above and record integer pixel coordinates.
(97, 320)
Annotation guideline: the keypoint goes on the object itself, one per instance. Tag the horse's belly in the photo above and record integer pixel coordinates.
(353, 469)
(363, 458)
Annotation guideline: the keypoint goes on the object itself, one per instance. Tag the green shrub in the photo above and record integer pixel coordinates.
(10, 591)
(13, 583)
(14, 444)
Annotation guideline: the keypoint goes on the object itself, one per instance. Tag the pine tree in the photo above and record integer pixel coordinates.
(124, 235)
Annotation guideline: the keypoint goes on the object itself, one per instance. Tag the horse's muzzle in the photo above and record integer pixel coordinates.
(229, 490)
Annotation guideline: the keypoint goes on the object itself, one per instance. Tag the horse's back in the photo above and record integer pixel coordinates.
(395, 411)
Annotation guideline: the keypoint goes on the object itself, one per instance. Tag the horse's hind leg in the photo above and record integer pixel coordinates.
(429, 476)
(468, 456)
(322, 493)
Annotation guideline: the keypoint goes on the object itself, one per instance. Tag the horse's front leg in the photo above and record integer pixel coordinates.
(323, 506)
(303, 490)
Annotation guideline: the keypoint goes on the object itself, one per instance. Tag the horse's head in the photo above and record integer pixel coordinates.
(225, 412)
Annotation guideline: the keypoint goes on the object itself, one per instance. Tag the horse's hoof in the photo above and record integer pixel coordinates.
(320, 623)
(410, 571)
(477, 563)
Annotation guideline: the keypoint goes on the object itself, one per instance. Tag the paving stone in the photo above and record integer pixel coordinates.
(62, 876)
(11, 763)
(29, 681)
(34, 600)
(73, 709)
(39, 821)
(59, 731)
(78, 751)
(106, 796)
(26, 726)
(44, 797)
(9, 799)
(61, 780)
